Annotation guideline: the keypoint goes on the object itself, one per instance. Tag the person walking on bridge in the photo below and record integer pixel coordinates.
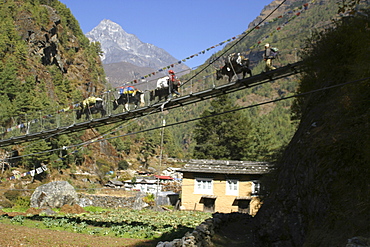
(267, 56)
(173, 82)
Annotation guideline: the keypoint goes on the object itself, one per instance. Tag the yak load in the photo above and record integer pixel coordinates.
(234, 65)
(91, 105)
(164, 89)
(129, 95)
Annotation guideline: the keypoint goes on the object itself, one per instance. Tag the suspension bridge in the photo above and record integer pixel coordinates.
(37, 126)
(185, 99)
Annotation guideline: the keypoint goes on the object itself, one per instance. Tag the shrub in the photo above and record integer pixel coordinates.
(5, 203)
(149, 199)
(23, 201)
(91, 189)
(18, 219)
(123, 165)
(94, 209)
(12, 195)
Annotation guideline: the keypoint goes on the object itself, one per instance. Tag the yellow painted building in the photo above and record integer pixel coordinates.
(222, 186)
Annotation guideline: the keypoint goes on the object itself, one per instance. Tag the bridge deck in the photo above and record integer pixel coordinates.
(279, 73)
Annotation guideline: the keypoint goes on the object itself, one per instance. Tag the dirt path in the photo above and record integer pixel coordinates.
(16, 235)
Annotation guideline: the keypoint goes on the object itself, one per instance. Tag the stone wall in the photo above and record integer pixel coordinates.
(105, 201)
(202, 234)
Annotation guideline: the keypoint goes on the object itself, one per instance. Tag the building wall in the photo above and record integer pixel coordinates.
(223, 202)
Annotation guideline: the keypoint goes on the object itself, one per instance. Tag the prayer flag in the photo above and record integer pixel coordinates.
(39, 170)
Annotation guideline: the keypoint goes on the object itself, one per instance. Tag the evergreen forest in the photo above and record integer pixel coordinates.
(47, 64)
(318, 191)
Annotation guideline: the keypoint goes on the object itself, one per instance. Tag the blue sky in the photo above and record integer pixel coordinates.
(181, 27)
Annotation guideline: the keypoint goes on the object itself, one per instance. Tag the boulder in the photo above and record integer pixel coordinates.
(54, 195)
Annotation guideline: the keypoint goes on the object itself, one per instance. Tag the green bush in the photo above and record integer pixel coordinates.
(123, 165)
(12, 195)
(23, 201)
(5, 203)
(19, 219)
(94, 209)
(149, 199)
(91, 189)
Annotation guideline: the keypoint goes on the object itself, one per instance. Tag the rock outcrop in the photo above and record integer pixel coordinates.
(54, 195)
(42, 42)
(319, 194)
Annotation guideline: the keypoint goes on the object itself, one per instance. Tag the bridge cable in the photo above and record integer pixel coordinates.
(213, 115)
(89, 141)
(235, 43)
(149, 113)
(250, 106)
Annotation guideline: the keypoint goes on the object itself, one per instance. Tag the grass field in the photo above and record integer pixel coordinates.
(75, 226)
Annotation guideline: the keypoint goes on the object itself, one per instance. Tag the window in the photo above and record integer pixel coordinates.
(203, 186)
(256, 188)
(232, 187)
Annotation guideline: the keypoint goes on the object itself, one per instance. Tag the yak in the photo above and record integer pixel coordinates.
(232, 68)
(89, 106)
(127, 98)
(164, 89)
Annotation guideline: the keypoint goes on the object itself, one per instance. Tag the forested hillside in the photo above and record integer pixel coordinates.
(45, 58)
(319, 195)
(271, 125)
(46, 64)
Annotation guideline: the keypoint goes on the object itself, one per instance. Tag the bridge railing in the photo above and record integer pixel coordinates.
(195, 85)
(43, 121)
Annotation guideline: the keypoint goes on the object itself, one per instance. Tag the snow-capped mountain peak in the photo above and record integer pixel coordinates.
(120, 46)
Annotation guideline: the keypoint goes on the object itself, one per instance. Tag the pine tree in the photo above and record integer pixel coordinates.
(36, 153)
(223, 136)
(170, 146)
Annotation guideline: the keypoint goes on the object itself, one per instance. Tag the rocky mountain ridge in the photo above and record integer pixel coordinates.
(119, 74)
(119, 46)
(125, 57)
(267, 10)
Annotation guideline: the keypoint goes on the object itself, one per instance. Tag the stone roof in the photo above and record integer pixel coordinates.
(114, 183)
(142, 181)
(226, 167)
